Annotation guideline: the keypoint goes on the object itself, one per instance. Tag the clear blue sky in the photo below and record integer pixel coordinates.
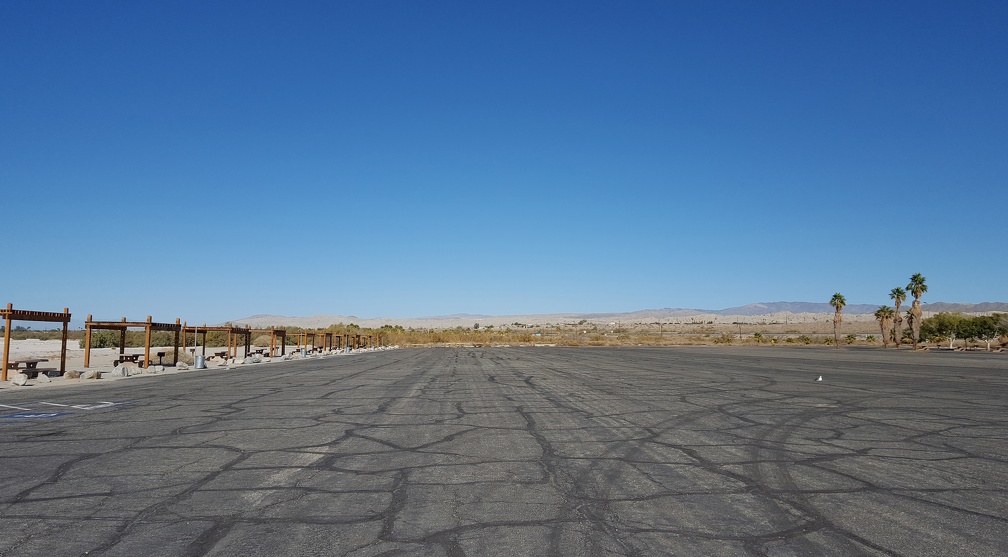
(212, 160)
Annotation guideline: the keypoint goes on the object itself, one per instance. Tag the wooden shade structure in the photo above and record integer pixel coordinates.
(234, 333)
(11, 314)
(327, 341)
(121, 326)
(275, 334)
(303, 337)
(322, 340)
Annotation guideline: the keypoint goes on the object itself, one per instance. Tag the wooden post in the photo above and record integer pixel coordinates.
(122, 338)
(87, 341)
(272, 341)
(204, 339)
(147, 341)
(6, 340)
(177, 331)
(66, 323)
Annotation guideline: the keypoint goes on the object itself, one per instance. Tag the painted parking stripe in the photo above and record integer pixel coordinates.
(98, 406)
(30, 413)
(95, 406)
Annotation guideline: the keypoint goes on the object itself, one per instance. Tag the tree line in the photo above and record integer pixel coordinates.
(948, 326)
(940, 327)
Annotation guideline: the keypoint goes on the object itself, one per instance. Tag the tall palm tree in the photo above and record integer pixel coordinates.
(884, 315)
(898, 295)
(837, 301)
(917, 287)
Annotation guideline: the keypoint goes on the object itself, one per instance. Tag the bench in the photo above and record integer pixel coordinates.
(36, 371)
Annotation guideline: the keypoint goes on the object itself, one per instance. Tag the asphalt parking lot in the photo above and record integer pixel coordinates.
(519, 451)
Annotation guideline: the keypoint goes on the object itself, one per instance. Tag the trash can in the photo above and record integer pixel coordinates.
(304, 352)
(199, 362)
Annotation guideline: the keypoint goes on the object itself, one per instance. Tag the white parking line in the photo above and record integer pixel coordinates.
(88, 406)
(14, 407)
(93, 406)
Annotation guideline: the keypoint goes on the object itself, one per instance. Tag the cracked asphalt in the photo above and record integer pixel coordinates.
(520, 451)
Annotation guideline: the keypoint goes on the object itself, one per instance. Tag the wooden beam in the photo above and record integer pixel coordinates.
(87, 341)
(178, 329)
(63, 351)
(6, 340)
(147, 341)
(122, 338)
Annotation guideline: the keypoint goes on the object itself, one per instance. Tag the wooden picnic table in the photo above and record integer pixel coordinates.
(29, 363)
(31, 368)
(135, 358)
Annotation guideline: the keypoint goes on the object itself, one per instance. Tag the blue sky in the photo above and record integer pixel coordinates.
(212, 160)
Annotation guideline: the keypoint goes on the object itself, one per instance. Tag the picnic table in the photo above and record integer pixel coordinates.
(30, 363)
(135, 358)
(30, 366)
(221, 354)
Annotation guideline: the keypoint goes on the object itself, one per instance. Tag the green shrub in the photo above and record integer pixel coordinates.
(850, 339)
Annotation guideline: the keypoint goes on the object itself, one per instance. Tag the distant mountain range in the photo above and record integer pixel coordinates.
(766, 312)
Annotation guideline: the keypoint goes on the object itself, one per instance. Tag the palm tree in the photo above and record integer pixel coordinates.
(917, 287)
(898, 295)
(884, 315)
(837, 301)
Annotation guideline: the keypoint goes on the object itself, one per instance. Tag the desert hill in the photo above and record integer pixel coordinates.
(768, 312)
